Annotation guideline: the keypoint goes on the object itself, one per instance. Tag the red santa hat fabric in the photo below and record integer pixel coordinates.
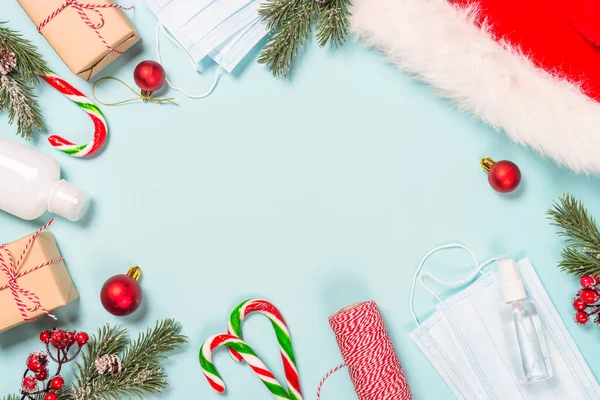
(561, 36)
(522, 72)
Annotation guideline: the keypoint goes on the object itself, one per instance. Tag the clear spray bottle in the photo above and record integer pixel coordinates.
(523, 324)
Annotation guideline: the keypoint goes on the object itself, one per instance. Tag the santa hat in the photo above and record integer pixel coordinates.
(530, 68)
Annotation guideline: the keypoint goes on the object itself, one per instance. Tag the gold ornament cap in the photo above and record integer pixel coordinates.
(487, 164)
(135, 273)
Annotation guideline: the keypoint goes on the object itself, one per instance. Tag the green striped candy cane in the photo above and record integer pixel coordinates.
(246, 352)
(282, 332)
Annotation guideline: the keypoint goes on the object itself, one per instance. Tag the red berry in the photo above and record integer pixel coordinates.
(588, 281)
(582, 318)
(37, 361)
(42, 375)
(57, 383)
(578, 304)
(45, 336)
(589, 296)
(59, 339)
(29, 384)
(82, 338)
(71, 336)
(51, 396)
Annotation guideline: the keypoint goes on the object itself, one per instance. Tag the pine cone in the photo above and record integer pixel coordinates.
(109, 364)
(8, 62)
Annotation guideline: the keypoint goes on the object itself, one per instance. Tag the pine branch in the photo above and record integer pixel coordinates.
(275, 12)
(581, 256)
(291, 29)
(11, 397)
(22, 105)
(142, 373)
(334, 23)
(29, 62)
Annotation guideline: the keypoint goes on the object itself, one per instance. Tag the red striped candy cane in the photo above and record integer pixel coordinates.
(100, 126)
(282, 332)
(246, 352)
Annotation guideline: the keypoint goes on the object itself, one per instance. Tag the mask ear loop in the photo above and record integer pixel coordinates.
(160, 27)
(419, 275)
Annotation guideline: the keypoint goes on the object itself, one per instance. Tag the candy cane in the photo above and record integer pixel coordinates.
(267, 309)
(100, 127)
(246, 352)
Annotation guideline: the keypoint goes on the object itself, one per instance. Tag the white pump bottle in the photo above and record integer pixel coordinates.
(30, 184)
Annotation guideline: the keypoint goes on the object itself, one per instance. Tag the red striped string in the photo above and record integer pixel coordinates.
(81, 7)
(368, 353)
(10, 269)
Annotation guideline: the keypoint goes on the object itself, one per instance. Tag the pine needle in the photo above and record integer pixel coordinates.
(581, 256)
(142, 373)
(16, 88)
(291, 22)
(30, 63)
(22, 105)
(288, 36)
(334, 23)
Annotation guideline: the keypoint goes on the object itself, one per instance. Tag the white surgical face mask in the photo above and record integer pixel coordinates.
(466, 342)
(224, 29)
(231, 53)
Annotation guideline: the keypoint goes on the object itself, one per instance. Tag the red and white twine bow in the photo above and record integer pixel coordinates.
(81, 7)
(10, 268)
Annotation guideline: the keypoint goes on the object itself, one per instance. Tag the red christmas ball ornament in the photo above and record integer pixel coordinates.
(37, 362)
(29, 384)
(504, 176)
(588, 281)
(45, 336)
(59, 339)
(57, 383)
(121, 295)
(51, 396)
(149, 76)
(589, 296)
(82, 338)
(582, 318)
(578, 304)
(42, 375)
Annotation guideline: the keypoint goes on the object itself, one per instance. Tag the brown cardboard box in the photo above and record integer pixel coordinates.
(78, 44)
(52, 284)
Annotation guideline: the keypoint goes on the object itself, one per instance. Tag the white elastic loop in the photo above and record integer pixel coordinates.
(160, 27)
(418, 274)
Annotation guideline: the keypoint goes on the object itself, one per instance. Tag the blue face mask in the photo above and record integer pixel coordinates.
(225, 30)
(464, 340)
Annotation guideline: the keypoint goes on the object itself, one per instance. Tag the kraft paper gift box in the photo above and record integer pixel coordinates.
(51, 284)
(75, 41)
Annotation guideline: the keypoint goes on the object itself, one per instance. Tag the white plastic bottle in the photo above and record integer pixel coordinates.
(30, 184)
(523, 325)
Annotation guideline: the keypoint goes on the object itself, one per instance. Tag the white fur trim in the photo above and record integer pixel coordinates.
(442, 45)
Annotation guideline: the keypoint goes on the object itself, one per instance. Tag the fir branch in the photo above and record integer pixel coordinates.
(29, 62)
(142, 373)
(275, 12)
(291, 29)
(581, 256)
(11, 397)
(22, 105)
(334, 23)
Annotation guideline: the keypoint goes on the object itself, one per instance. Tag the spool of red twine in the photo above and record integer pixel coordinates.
(368, 353)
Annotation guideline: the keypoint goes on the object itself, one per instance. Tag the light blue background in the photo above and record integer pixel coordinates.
(314, 192)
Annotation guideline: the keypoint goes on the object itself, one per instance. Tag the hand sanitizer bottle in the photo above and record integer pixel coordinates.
(30, 184)
(523, 324)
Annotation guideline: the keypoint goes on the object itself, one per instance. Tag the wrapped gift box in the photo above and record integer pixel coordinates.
(75, 41)
(51, 284)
